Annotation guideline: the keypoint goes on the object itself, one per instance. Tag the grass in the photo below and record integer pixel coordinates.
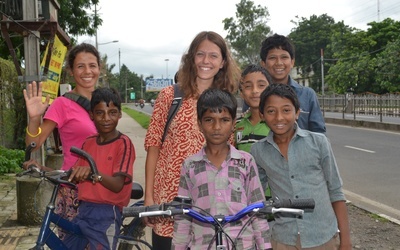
(377, 217)
(140, 117)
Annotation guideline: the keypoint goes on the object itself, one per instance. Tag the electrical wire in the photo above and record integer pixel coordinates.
(22, 26)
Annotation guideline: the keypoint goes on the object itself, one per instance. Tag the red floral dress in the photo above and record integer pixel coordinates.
(183, 139)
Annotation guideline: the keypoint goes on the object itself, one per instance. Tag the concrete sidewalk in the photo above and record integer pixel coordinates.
(15, 236)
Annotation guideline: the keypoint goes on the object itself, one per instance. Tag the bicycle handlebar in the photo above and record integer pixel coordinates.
(28, 151)
(88, 157)
(295, 203)
(57, 176)
(296, 207)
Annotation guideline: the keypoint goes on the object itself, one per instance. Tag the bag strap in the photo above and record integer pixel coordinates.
(176, 103)
(82, 101)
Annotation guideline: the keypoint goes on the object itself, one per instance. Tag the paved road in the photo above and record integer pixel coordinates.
(369, 163)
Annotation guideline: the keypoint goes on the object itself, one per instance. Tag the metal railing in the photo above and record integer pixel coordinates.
(362, 104)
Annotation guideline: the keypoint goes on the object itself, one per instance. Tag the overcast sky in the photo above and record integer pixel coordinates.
(151, 31)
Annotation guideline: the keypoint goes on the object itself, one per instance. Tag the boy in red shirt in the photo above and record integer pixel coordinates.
(101, 200)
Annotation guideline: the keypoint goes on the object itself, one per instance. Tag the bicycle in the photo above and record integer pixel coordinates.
(131, 231)
(182, 206)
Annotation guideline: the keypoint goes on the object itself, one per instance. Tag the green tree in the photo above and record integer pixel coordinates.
(309, 37)
(366, 60)
(388, 65)
(75, 19)
(247, 31)
(131, 81)
(349, 54)
(105, 72)
(383, 32)
(12, 107)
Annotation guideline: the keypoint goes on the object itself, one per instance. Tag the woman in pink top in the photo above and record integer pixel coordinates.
(71, 120)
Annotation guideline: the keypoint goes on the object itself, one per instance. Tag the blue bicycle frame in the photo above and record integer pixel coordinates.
(295, 207)
(57, 178)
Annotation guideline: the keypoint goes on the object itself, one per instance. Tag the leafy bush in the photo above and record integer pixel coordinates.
(11, 160)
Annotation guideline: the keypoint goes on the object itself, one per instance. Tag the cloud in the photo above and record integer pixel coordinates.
(154, 30)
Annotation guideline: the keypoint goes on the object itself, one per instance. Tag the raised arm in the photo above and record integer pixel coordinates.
(36, 131)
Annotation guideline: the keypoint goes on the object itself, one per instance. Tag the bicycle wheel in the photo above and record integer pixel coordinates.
(133, 244)
(131, 236)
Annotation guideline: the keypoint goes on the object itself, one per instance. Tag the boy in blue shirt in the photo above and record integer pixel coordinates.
(277, 57)
(300, 164)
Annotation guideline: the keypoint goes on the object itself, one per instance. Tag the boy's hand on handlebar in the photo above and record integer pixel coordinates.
(32, 163)
(147, 220)
(79, 174)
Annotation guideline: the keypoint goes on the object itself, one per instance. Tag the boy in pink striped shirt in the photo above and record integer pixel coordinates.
(219, 179)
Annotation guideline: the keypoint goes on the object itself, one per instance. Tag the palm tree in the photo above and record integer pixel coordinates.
(105, 72)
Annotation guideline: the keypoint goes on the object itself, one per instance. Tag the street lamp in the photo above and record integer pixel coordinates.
(166, 60)
(97, 44)
(97, 48)
(114, 41)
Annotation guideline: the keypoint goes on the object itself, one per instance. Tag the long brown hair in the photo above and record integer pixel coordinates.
(227, 77)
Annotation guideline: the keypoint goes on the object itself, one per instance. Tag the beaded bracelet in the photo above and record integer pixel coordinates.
(33, 136)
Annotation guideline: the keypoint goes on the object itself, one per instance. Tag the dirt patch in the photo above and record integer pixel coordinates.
(371, 232)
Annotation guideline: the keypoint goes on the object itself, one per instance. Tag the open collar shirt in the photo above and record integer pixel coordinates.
(309, 172)
(225, 191)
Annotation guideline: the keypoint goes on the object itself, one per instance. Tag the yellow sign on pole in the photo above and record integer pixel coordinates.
(51, 85)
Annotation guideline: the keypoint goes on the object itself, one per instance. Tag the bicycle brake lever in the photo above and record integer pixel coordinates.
(61, 181)
(31, 168)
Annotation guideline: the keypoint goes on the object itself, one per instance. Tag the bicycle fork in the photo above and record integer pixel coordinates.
(218, 233)
(44, 233)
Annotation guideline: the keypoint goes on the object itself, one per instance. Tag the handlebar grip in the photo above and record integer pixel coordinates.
(295, 203)
(88, 157)
(134, 211)
(28, 151)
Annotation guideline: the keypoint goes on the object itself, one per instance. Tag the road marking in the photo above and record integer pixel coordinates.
(361, 149)
(373, 206)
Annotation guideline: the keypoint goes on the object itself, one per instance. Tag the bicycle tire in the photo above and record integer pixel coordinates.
(134, 229)
(130, 244)
(131, 234)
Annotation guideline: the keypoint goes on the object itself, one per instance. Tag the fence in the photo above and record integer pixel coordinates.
(363, 104)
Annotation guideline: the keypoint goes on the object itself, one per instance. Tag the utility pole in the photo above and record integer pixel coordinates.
(32, 56)
(379, 12)
(322, 72)
(166, 60)
(31, 43)
(126, 84)
(95, 15)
